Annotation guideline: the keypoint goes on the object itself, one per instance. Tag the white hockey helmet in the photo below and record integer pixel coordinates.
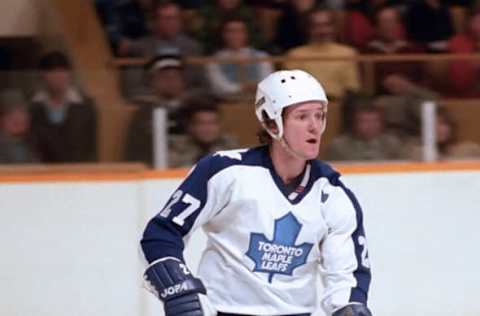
(284, 88)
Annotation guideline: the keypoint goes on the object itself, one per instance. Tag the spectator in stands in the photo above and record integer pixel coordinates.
(167, 34)
(366, 140)
(337, 76)
(429, 22)
(230, 79)
(168, 38)
(463, 74)
(448, 145)
(211, 18)
(292, 25)
(358, 29)
(124, 21)
(204, 136)
(390, 39)
(402, 105)
(16, 141)
(63, 119)
(168, 91)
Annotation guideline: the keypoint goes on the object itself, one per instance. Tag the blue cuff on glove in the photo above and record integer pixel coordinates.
(169, 278)
(353, 310)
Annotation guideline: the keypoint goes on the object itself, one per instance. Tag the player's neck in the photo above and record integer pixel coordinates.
(287, 166)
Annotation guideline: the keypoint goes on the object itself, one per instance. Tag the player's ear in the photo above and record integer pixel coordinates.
(272, 126)
(269, 123)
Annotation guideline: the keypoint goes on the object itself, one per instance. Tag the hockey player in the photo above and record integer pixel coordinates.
(274, 216)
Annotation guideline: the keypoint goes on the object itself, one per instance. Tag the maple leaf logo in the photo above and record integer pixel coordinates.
(280, 255)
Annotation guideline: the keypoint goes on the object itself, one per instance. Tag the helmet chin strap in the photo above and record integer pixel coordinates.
(283, 143)
(289, 149)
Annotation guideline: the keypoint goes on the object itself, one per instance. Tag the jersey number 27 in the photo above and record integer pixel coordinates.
(192, 205)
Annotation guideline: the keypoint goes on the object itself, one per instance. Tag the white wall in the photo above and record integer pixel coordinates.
(29, 18)
(19, 17)
(424, 239)
(71, 248)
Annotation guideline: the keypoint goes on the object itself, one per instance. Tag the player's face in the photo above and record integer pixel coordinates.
(303, 125)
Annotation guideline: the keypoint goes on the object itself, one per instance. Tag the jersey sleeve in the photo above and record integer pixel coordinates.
(197, 199)
(344, 255)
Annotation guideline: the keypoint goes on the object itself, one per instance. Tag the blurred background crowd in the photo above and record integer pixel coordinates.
(378, 60)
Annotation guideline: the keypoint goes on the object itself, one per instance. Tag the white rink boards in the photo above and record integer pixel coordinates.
(70, 248)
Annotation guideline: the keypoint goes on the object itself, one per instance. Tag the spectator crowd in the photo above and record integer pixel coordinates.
(58, 122)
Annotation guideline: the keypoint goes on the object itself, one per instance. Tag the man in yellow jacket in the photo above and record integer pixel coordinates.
(337, 76)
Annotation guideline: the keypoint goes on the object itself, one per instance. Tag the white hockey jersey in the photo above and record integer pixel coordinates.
(266, 245)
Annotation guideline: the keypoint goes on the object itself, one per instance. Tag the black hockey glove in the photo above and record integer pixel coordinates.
(353, 310)
(171, 281)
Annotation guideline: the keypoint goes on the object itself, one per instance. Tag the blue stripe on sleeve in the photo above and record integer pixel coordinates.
(163, 236)
(161, 239)
(362, 274)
